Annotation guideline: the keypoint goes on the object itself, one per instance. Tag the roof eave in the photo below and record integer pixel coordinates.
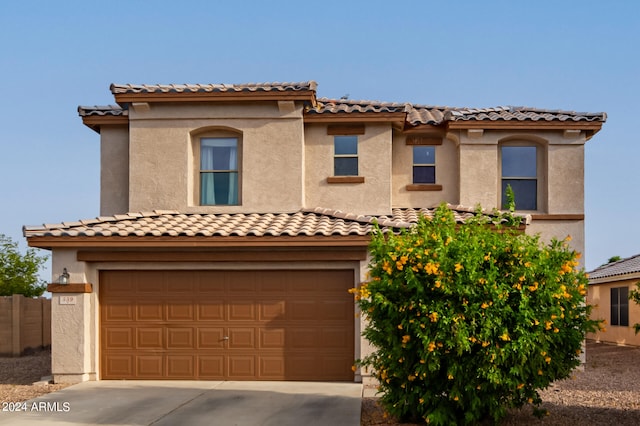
(230, 96)
(51, 242)
(354, 117)
(94, 122)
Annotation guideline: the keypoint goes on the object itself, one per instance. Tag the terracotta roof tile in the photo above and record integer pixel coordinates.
(426, 114)
(199, 88)
(102, 110)
(629, 265)
(307, 222)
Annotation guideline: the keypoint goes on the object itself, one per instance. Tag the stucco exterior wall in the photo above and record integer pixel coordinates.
(162, 143)
(373, 197)
(74, 331)
(479, 175)
(599, 296)
(447, 175)
(566, 179)
(114, 170)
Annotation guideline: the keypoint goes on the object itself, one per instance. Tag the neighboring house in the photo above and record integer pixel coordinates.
(609, 287)
(234, 218)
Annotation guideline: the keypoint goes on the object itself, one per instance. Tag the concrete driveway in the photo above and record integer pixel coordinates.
(161, 403)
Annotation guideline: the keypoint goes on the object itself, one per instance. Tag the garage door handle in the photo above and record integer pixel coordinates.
(225, 338)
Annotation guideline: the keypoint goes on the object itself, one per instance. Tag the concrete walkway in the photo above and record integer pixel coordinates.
(163, 403)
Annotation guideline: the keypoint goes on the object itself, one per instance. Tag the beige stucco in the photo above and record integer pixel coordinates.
(162, 140)
(447, 175)
(599, 296)
(373, 196)
(114, 170)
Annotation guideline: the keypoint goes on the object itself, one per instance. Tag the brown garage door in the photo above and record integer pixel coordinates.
(219, 325)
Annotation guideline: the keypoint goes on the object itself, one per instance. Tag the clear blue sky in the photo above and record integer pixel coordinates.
(574, 55)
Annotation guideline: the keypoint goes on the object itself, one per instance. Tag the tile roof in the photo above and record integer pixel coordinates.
(426, 114)
(626, 266)
(200, 88)
(307, 222)
(101, 110)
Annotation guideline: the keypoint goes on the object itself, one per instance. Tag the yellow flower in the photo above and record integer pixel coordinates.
(432, 347)
(484, 305)
(433, 316)
(411, 377)
(458, 267)
(505, 336)
(399, 326)
(354, 368)
(450, 377)
(547, 359)
(421, 401)
(521, 385)
(406, 338)
(399, 265)
(487, 256)
(455, 398)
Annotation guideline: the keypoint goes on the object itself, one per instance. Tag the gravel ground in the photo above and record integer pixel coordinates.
(17, 376)
(607, 392)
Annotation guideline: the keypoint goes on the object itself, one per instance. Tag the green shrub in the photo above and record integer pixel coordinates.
(469, 320)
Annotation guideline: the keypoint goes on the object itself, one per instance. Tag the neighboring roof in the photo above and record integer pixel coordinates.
(309, 222)
(630, 265)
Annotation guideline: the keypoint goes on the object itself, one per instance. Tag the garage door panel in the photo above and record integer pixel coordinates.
(271, 310)
(211, 337)
(272, 367)
(180, 311)
(149, 337)
(242, 338)
(338, 310)
(272, 338)
(149, 310)
(115, 366)
(303, 310)
(211, 367)
(149, 366)
(280, 324)
(182, 338)
(119, 311)
(118, 337)
(180, 366)
(211, 311)
(242, 311)
(242, 366)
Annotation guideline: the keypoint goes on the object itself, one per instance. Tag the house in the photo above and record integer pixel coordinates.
(234, 218)
(608, 293)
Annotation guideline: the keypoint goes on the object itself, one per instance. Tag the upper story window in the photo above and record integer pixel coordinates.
(424, 164)
(345, 160)
(620, 306)
(520, 170)
(219, 171)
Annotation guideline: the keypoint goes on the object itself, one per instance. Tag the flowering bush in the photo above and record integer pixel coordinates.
(469, 320)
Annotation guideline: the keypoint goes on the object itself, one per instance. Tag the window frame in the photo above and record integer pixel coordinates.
(347, 155)
(414, 165)
(195, 185)
(540, 178)
(619, 306)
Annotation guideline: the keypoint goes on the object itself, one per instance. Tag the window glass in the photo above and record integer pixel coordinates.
(424, 155)
(520, 170)
(345, 160)
(218, 171)
(345, 145)
(620, 306)
(424, 160)
(519, 161)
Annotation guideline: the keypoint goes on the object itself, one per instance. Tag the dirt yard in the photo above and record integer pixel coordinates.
(606, 393)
